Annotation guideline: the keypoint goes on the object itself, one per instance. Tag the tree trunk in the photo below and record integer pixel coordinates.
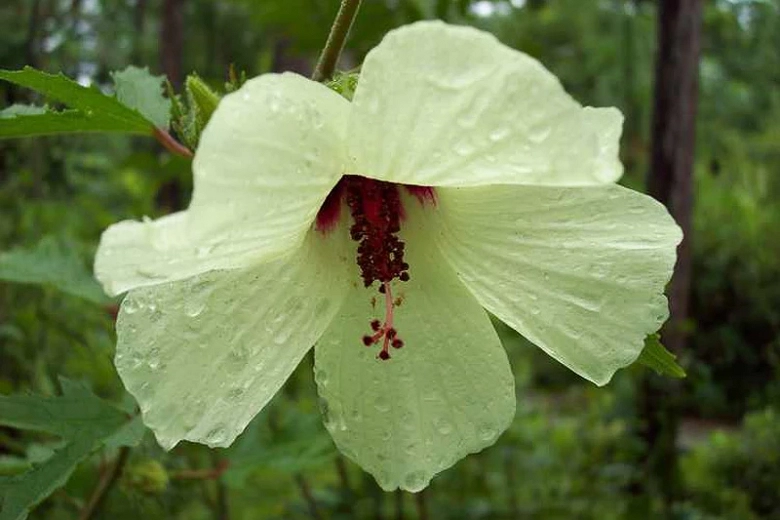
(674, 136)
(172, 40)
(671, 182)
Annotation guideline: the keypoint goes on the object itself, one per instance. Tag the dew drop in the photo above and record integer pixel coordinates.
(282, 336)
(321, 377)
(235, 393)
(443, 426)
(499, 134)
(486, 432)
(130, 306)
(382, 404)
(193, 309)
(203, 251)
(463, 148)
(415, 481)
(217, 435)
(539, 135)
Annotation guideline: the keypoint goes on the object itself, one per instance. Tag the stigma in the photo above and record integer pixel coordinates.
(377, 214)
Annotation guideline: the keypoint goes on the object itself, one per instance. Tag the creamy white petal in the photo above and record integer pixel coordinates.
(267, 159)
(441, 105)
(447, 393)
(580, 272)
(203, 355)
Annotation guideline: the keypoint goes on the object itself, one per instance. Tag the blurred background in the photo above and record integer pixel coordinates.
(706, 447)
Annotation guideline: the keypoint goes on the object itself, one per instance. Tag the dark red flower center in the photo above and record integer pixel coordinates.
(377, 213)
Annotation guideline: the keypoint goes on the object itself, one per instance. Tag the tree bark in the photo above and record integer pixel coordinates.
(172, 41)
(671, 182)
(673, 142)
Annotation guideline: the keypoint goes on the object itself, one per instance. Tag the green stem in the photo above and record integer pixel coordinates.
(106, 482)
(338, 35)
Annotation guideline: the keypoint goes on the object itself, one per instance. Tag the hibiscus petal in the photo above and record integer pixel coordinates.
(447, 393)
(580, 272)
(269, 156)
(440, 105)
(202, 356)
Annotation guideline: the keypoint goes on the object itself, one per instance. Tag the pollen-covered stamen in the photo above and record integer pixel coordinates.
(377, 214)
(385, 330)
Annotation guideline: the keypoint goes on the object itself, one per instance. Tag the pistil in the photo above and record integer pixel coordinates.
(377, 213)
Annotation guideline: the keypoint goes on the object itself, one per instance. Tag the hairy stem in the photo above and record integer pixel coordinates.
(338, 35)
(171, 144)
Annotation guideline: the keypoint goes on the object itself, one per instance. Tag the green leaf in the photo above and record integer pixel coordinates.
(202, 99)
(51, 263)
(92, 111)
(655, 356)
(84, 422)
(138, 89)
(76, 412)
(64, 122)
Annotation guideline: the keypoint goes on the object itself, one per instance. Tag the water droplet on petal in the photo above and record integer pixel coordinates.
(194, 309)
(443, 426)
(130, 306)
(216, 435)
(382, 404)
(415, 481)
(486, 432)
(499, 134)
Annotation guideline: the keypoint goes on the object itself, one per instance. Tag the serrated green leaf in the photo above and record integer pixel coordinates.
(655, 356)
(76, 412)
(20, 493)
(138, 89)
(51, 263)
(102, 110)
(83, 421)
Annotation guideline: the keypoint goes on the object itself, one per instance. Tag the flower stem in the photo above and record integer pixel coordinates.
(171, 144)
(338, 35)
(104, 485)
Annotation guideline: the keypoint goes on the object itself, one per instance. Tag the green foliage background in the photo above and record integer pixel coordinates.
(572, 451)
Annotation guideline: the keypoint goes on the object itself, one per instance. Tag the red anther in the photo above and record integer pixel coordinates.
(424, 194)
(377, 213)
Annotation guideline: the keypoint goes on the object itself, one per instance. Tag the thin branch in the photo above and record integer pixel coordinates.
(201, 474)
(303, 484)
(104, 485)
(338, 35)
(399, 504)
(222, 508)
(171, 144)
(422, 504)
